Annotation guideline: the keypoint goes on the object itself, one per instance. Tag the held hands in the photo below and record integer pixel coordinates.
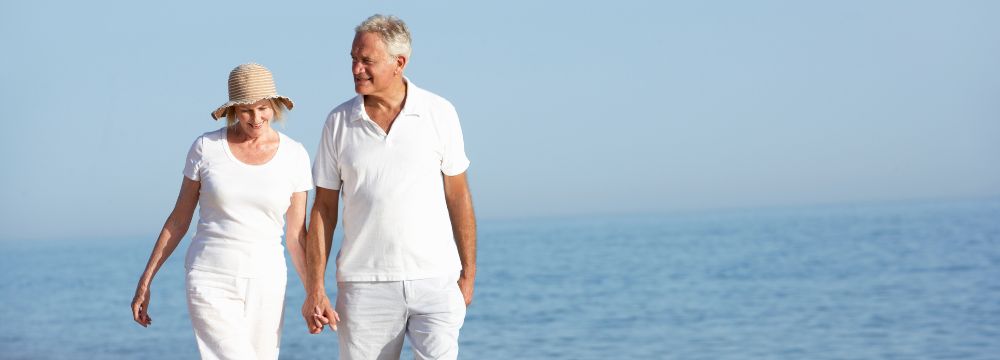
(317, 312)
(140, 306)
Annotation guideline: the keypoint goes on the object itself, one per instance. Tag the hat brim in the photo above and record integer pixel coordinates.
(221, 111)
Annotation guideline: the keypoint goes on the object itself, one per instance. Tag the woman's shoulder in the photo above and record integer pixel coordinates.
(291, 144)
(214, 135)
(287, 140)
(205, 144)
(211, 136)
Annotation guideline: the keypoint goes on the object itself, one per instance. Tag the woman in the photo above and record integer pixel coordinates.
(248, 179)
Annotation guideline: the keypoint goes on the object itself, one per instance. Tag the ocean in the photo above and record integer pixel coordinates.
(903, 280)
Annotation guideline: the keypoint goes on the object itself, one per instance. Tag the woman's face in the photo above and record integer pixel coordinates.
(254, 119)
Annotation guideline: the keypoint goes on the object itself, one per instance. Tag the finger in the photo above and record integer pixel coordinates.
(310, 326)
(135, 311)
(331, 314)
(320, 314)
(141, 317)
(320, 321)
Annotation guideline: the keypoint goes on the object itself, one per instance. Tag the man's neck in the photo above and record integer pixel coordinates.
(391, 99)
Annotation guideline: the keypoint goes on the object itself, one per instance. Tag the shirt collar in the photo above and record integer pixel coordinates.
(410, 107)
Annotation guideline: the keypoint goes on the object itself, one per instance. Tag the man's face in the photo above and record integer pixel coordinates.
(374, 70)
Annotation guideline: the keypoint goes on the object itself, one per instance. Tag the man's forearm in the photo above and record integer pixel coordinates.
(464, 229)
(463, 221)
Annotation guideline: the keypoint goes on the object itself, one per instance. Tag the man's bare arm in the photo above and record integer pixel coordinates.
(463, 226)
(316, 309)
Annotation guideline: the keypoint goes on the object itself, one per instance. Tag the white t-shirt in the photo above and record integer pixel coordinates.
(396, 224)
(242, 207)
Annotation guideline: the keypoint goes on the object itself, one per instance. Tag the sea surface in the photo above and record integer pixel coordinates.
(905, 280)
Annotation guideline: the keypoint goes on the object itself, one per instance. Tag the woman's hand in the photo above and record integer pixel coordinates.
(140, 306)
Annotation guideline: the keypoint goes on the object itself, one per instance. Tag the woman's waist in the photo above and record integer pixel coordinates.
(235, 258)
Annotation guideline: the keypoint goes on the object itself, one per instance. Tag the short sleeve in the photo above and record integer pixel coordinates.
(453, 160)
(192, 167)
(302, 175)
(326, 170)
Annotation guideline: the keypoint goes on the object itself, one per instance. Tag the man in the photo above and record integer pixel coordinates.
(395, 154)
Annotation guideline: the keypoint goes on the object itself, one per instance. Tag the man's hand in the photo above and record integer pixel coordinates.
(317, 312)
(466, 283)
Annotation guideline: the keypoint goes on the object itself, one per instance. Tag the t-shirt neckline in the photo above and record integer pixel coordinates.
(229, 151)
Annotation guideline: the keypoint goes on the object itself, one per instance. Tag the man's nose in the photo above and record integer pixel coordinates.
(356, 68)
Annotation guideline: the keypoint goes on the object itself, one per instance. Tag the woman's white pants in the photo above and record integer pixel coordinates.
(236, 317)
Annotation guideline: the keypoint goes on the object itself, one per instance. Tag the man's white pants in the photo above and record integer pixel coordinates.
(236, 317)
(375, 316)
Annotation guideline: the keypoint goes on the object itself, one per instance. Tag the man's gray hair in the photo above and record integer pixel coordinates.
(392, 30)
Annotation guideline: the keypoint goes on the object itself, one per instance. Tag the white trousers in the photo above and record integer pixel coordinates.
(236, 317)
(375, 316)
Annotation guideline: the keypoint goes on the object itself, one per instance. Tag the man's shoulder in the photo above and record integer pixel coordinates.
(431, 99)
(344, 111)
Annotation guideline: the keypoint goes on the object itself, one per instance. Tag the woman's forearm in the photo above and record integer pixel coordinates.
(170, 236)
(173, 230)
(295, 241)
(295, 232)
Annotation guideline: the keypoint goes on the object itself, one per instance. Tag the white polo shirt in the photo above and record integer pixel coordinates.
(396, 224)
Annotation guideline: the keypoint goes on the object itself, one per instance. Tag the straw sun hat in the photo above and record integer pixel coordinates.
(250, 83)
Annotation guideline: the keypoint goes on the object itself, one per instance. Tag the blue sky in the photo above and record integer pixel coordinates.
(567, 107)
